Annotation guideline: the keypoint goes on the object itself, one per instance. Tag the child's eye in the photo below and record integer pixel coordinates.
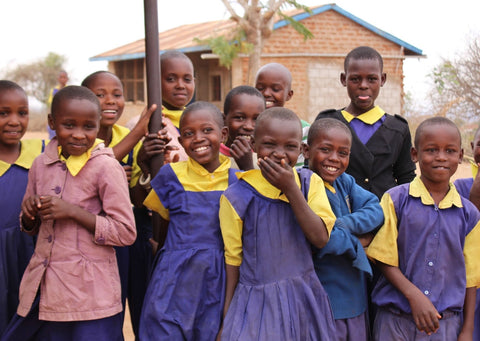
(100, 95)
(239, 118)
(325, 150)
(170, 79)
(187, 133)
(23, 113)
(68, 125)
(207, 130)
(372, 79)
(3, 113)
(188, 79)
(345, 154)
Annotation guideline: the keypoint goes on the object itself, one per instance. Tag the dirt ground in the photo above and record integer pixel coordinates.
(463, 171)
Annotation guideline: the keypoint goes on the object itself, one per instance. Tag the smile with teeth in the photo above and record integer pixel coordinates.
(331, 168)
(200, 149)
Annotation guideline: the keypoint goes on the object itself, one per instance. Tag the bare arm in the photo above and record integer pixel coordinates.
(282, 177)
(141, 129)
(468, 314)
(423, 311)
(475, 191)
(233, 273)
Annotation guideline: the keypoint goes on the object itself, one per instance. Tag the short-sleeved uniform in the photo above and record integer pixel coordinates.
(16, 247)
(384, 160)
(185, 296)
(342, 265)
(436, 247)
(463, 187)
(278, 295)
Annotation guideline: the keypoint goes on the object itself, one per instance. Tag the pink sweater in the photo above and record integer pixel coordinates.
(76, 270)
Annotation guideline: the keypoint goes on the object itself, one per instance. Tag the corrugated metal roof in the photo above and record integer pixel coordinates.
(182, 38)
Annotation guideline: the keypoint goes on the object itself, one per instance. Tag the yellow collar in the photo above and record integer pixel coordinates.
(29, 150)
(418, 190)
(225, 163)
(369, 117)
(75, 163)
(173, 115)
(255, 178)
(329, 187)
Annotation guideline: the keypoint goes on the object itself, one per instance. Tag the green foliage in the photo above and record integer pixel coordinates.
(444, 76)
(227, 49)
(38, 77)
(297, 26)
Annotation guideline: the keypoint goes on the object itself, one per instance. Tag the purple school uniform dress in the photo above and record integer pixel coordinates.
(278, 295)
(463, 187)
(185, 296)
(16, 247)
(435, 248)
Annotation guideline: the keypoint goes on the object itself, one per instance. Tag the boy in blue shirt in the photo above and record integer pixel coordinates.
(342, 265)
(428, 247)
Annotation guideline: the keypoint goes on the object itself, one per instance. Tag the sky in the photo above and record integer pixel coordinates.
(30, 29)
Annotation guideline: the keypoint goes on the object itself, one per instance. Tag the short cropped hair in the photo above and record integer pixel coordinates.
(432, 121)
(202, 105)
(279, 113)
(172, 54)
(9, 85)
(325, 124)
(74, 92)
(242, 89)
(362, 53)
(91, 77)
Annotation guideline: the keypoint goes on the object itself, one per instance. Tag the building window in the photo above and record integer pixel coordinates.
(216, 88)
(131, 74)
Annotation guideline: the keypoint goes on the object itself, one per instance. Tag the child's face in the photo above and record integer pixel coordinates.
(274, 86)
(109, 91)
(476, 148)
(438, 155)
(241, 118)
(13, 116)
(76, 124)
(178, 83)
(329, 154)
(63, 79)
(278, 140)
(363, 79)
(201, 136)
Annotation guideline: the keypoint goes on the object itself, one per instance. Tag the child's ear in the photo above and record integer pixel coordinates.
(224, 118)
(305, 151)
(289, 95)
(414, 154)
(343, 79)
(252, 142)
(224, 134)
(461, 156)
(384, 79)
(50, 122)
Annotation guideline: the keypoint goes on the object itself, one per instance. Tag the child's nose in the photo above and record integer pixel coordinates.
(249, 125)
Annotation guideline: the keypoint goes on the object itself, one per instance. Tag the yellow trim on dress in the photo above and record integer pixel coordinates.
(29, 150)
(173, 115)
(75, 163)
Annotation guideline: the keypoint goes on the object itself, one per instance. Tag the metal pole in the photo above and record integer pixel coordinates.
(154, 95)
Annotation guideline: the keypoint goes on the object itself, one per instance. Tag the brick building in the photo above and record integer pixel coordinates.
(315, 64)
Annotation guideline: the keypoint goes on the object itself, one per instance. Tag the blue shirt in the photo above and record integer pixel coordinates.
(435, 247)
(342, 265)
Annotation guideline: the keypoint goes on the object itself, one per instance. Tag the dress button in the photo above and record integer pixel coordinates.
(101, 240)
(430, 263)
(366, 180)
(64, 166)
(50, 238)
(57, 190)
(45, 262)
(426, 292)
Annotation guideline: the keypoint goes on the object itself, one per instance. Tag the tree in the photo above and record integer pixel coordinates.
(38, 77)
(456, 90)
(254, 28)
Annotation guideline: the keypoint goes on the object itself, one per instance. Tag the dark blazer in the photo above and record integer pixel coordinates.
(384, 161)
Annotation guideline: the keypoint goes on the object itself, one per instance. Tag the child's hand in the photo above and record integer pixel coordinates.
(53, 208)
(241, 150)
(154, 144)
(279, 175)
(144, 119)
(170, 156)
(465, 336)
(128, 172)
(424, 313)
(31, 206)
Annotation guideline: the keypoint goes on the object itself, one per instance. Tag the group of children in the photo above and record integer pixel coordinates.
(258, 246)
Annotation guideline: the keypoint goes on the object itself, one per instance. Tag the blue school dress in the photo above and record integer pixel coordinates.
(16, 247)
(185, 296)
(278, 295)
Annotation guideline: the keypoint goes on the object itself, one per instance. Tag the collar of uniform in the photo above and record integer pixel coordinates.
(29, 150)
(329, 187)
(118, 133)
(418, 190)
(173, 115)
(255, 178)
(75, 163)
(369, 117)
(200, 170)
(474, 168)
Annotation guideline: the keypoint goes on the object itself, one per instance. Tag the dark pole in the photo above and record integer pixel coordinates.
(154, 95)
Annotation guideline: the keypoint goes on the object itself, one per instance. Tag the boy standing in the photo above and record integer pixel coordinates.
(380, 157)
(427, 248)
